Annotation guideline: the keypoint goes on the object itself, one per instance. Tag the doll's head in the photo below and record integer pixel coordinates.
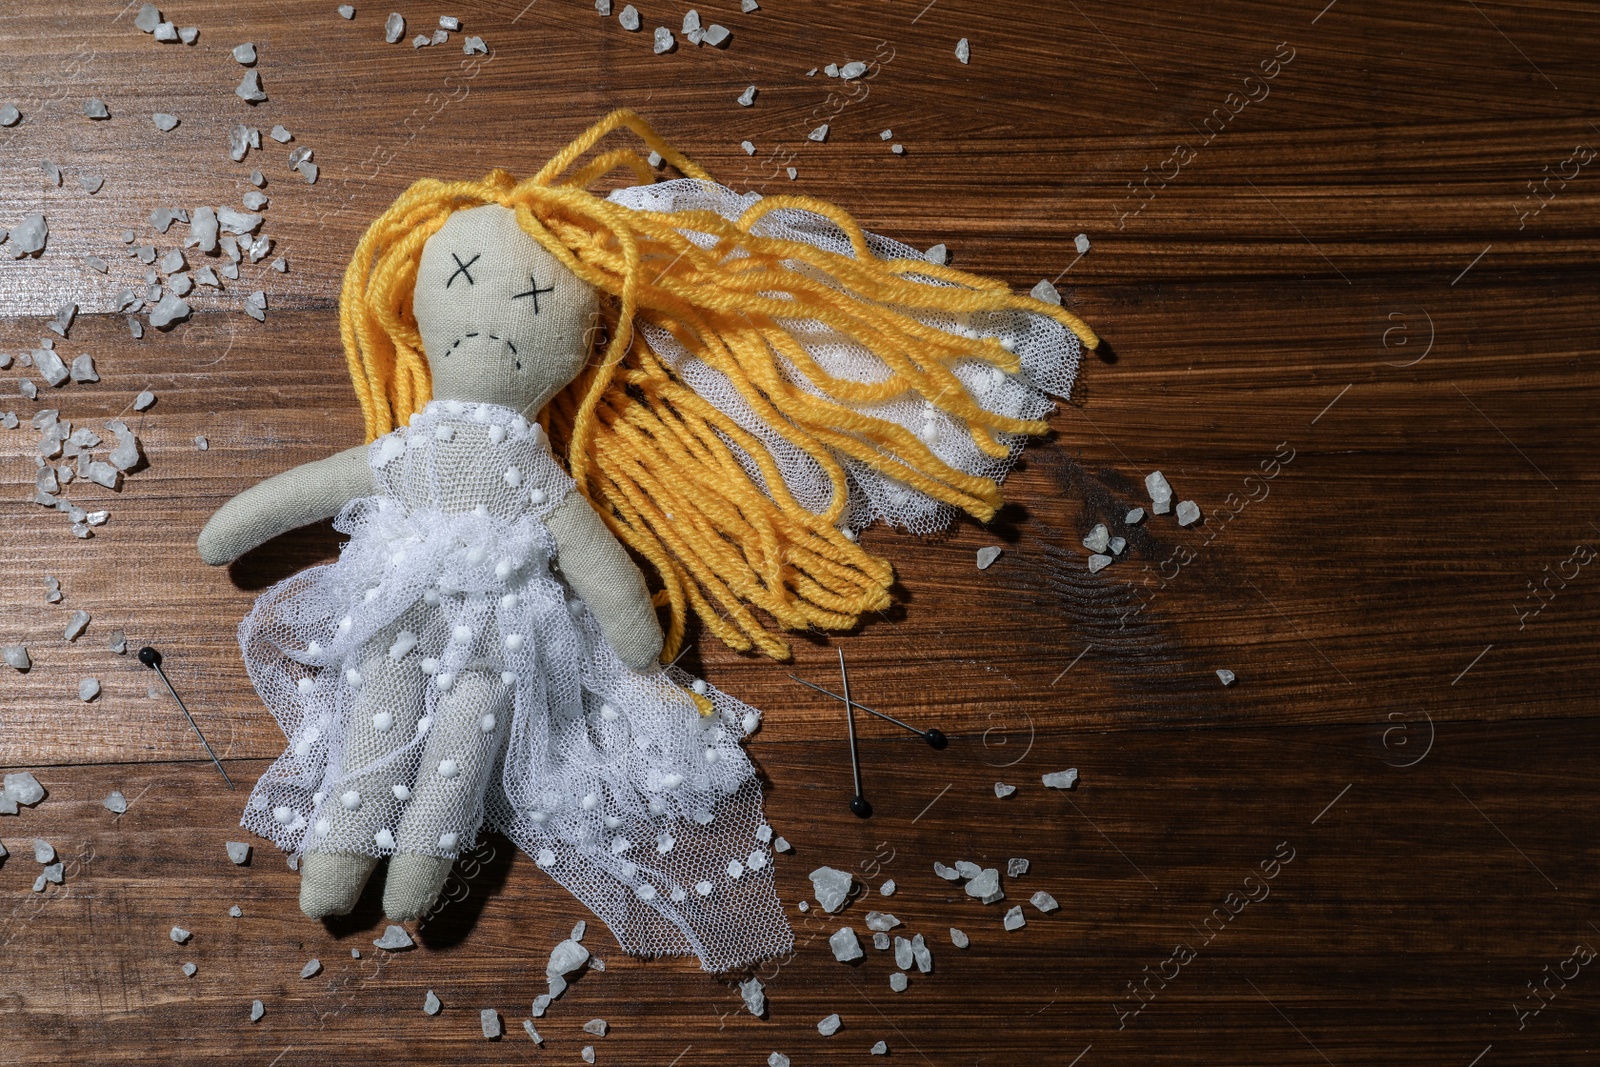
(487, 290)
(501, 319)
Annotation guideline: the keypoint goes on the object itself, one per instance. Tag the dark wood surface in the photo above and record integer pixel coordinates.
(1350, 274)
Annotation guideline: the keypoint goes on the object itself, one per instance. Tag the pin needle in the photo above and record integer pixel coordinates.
(152, 659)
(935, 737)
(858, 803)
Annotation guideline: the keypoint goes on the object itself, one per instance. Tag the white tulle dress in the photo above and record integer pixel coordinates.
(441, 674)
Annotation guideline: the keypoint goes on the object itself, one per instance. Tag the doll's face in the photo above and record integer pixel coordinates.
(502, 321)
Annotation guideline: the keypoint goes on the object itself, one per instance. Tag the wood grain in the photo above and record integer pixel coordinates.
(1345, 324)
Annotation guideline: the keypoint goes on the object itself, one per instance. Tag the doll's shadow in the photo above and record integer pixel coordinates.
(477, 876)
(285, 555)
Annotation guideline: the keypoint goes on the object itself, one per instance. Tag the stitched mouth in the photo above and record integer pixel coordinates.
(508, 342)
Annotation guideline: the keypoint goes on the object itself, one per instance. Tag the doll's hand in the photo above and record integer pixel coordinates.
(600, 571)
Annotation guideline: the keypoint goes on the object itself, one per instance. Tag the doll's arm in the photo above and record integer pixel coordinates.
(607, 580)
(304, 494)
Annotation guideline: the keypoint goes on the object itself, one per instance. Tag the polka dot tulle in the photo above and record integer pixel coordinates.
(440, 678)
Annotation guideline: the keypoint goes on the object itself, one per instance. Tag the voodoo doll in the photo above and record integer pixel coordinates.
(727, 385)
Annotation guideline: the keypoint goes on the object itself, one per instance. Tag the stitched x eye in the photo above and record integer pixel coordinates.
(534, 292)
(461, 268)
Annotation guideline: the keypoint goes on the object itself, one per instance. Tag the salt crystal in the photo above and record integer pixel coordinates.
(1225, 676)
(489, 1019)
(1044, 902)
(50, 366)
(566, 957)
(755, 996)
(829, 1026)
(944, 872)
(629, 18)
(898, 149)
(189, 970)
(1003, 790)
(166, 32)
(179, 934)
(312, 968)
(238, 852)
(118, 641)
(748, 6)
(986, 884)
(880, 1049)
(88, 689)
(244, 53)
(831, 70)
(346, 11)
(1098, 538)
(781, 844)
(881, 920)
(818, 134)
(749, 148)
(143, 400)
(938, 254)
(237, 222)
(959, 938)
(249, 89)
(171, 262)
(126, 455)
(664, 41)
(902, 953)
(63, 320)
(1081, 243)
(82, 369)
(38, 884)
(880, 941)
(852, 70)
(91, 184)
(747, 97)
(887, 888)
(43, 851)
(540, 1004)
(845, 945)
(257, 1010)
(431, 1004)
(1014, 919)
(716, 36)
(533, 1035)
(449, 22)
(189, 34)
(922, 954)
(832, 887)
(95, 108)
(898, 981)
(237, 911)
(9, 115)
(168, 310)
(579, 930)
(394, 27)
(1155, 483)
(987, 555)
(1098, 563)
(1061, 779)
(474, 46)
(394, 939)
(1016, 867)
(116, 803)
(29, 235)
(597, 1027)
(586, 1054)
(1188, 513)
(76, 625)
(1118, 545)
(164, 122)
(963, 50)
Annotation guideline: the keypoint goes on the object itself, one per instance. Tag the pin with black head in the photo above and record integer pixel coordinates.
(152, 659)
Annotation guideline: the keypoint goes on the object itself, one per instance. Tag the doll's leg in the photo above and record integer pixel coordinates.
(470, 727)
(390, 701)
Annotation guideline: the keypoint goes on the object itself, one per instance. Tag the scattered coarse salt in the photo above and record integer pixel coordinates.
(238, 852)
(1134, 517)
(431, 1004)
(394, 27)
(947, 873)
(346, 11)
(249, 89)
(629, 18)
(959, 938)
(143, 400)
(1188, 513)
(281, 135)
(1016, 867)
(938, 254)
(749, 148)
(880, 1049)
(963, 50)
(394, 939)
(1081, 243)
(664, 41)
(474, 46)
(1003, 790)
(257, 1010)
(1225, 676)
(1044, 902)
(201, 443)
(1061, 779)
(9, 115)
(716, 36)
(852, 70)
(179, 934)
(818, 134)
(116, 803)
(987, 555)
(76, 625)
(747, 97)
(832, 887)
(1155, 483)
(1098, 562)
(845, 945)
(164, 122)
(1014, 919)
(312, 968)
(1099, 538)
(244, 53)
(95, 108)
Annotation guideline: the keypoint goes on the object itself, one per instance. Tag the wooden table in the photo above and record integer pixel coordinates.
(1343, 261)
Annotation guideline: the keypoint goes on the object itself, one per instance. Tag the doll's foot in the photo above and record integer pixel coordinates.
(413, 885)
(331, 882)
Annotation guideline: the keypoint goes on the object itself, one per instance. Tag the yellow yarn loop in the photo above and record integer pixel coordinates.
(650, 453)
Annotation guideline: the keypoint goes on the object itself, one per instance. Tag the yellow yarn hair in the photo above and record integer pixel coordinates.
(644, 447)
